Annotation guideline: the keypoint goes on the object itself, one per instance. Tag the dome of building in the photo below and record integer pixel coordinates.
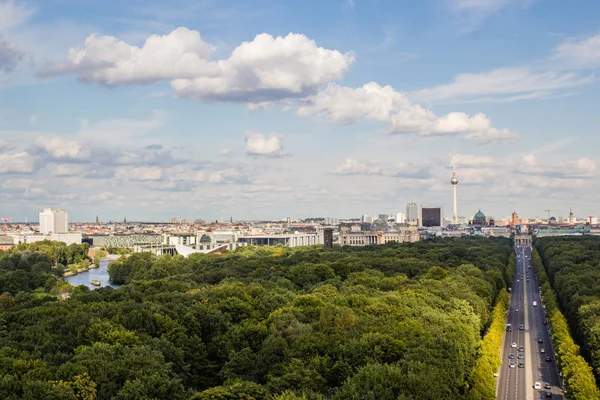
(479, 219)
(379, 225)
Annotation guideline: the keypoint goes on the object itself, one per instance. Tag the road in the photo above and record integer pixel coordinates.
(517, 383)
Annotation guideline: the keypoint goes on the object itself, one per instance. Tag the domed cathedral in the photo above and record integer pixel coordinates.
(479, 219)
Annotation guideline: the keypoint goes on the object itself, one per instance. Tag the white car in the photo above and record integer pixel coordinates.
(537, 386)
(513, 344)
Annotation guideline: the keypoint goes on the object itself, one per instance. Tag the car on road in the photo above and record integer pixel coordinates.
(508, 327)
(520, 356)
(521, 348)
(535, 303)
(521, 364)
(545, 322)
(540, 340)
(548, 359)
(542, 350)
(521, 327)
(547, 386)
(513, 344)
(511, 356)
(537, 386)
(512, 364)
(512, 308)
(516, 310)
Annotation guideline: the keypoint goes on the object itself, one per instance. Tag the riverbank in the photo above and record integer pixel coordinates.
(99, 273)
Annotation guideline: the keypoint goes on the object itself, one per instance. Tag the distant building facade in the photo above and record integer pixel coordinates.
(412, 214)
(408, 234)
(431, 216)
(67, 238)
(53, 220)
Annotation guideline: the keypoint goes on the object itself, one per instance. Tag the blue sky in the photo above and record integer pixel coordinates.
(268, 109)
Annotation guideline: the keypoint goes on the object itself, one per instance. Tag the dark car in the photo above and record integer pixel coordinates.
(520, 356)
(548, 395)
(521, 327)
(521, 364)
(511, 356)
(545, 322)
(540, 340)
(548, 359)
(521, 348)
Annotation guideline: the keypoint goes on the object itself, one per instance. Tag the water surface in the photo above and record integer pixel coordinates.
(98, 274)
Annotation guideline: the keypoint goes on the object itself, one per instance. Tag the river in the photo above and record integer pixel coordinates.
(98, 274)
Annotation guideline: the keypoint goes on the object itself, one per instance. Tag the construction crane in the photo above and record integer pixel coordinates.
(548, 211)
(5, 220)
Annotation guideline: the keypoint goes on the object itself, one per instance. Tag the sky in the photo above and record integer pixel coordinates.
(264, 109)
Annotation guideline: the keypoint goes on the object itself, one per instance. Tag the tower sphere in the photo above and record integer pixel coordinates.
(454, 181)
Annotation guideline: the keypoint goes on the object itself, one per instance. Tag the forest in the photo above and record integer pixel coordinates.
(573, 267)
(398, 321)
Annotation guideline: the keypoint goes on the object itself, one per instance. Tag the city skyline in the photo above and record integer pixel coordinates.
(143, 112)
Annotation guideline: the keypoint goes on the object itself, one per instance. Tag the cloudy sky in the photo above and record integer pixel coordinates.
(152, 109)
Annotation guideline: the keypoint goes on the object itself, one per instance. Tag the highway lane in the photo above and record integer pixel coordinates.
(517, 383)
(542, 371)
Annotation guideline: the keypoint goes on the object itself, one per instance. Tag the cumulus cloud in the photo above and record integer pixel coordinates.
(404, 170)
(19, 163)
(581, 168)
(63, 149)
(258, 144)
(579, 54)
(141, 173)
(265, 69)
(269, 68)
(374, 102)
(108, 60)
(502, 84)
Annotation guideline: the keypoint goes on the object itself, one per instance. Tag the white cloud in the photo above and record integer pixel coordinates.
(269, 68)
(13, 14)
(108, 60)
(17, 184)
(581, 168)
(224, 151)
(405, 170)
(60, 148)
(258, 144)
(265, 69)
(502, 83)
(140, 173)
(384, 104)
(579, 54)
(19, 163)
(64, 170)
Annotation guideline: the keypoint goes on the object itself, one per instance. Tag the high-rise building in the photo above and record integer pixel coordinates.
(412, 214)
(53, 220)
(365, 219)
(454, 182)
(431, 216)
(400, 218)
(328, 238)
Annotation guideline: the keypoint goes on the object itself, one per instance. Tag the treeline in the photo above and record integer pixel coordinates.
(382, 322)
(577, 374)
(573, 265)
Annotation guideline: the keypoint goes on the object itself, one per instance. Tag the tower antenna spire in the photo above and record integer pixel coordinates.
(454, 182)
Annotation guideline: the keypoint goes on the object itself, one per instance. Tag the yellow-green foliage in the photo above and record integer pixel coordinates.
(482, 381)
(577, 374)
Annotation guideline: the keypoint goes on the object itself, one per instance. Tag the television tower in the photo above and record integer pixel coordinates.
(454, 182)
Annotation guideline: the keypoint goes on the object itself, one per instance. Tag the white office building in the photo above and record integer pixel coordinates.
(53, 220)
